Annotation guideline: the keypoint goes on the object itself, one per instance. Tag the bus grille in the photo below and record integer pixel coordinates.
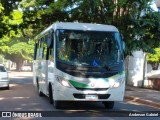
(94, 89)
(100, 96)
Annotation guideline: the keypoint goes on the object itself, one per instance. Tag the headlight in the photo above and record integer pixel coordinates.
(63, 82)
(118, 82)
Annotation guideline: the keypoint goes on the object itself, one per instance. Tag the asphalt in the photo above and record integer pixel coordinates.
(145, 96)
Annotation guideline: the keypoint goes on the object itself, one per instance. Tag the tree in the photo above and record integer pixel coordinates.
(17, 50)
(8, 7)
(133, 18)
(152, 26)
(3, 26)
(154, 59)
(16, 45)
(20, 52)
(126, 15)
(42, 13)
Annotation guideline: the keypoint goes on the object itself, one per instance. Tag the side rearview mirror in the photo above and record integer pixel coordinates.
(123, 45)
(122, 37)
(123, 42)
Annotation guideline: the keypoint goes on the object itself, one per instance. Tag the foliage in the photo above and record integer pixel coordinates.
(133, 18)
(21, 20)
(42, 13)
(154, 59)
(15, 42)
(2, 23)
(17, 50)
(151, 24)
(16, 17)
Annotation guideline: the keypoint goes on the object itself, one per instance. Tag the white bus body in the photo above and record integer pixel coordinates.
(79, 62)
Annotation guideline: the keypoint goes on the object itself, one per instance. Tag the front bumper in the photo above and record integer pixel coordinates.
(72, 94)
(4, 83)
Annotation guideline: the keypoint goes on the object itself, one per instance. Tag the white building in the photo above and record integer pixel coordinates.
(135, 68)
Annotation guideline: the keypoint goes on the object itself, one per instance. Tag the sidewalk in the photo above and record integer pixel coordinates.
(20, 74)
(142, 95)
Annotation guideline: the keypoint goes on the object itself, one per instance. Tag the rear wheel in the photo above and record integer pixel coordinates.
(57, 104)
(108, 104)
(38, 88)
(50, 95)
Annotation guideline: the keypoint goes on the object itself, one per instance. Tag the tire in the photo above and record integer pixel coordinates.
(50, 95)
(7, 88)
(39, 91)
(57, 104)
(109, 104)
(40, 94)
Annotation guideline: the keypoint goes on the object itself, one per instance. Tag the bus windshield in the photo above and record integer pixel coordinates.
(88, 48)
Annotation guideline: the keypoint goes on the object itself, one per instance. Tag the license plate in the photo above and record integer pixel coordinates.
(91, 97)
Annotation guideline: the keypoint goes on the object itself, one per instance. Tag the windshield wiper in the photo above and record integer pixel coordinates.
(72, 67)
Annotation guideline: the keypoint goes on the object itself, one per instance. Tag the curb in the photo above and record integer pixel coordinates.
(142, 101)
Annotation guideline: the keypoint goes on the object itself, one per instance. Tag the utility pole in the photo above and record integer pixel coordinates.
(144, 70)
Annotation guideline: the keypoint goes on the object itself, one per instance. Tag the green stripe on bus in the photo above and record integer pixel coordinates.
(78, 84)
(82, 85)
(121, 73)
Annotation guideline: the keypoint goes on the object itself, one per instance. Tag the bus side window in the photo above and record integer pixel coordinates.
(50, 45)
(40, 43)
(45, 38)
(51, 54)
(52, 37)
(50, 40)
(35, 51)
(51, 50)
(39, 49)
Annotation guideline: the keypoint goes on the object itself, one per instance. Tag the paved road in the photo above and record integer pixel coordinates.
(23, 96)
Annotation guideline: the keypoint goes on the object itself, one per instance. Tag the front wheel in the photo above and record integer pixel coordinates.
(7, 88)
(108, 104)
(57, 104)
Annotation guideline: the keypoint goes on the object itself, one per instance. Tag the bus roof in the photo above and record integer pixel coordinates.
(79, 26)
(84, 26)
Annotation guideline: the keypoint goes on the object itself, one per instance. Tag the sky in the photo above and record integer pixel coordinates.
(154, 7)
